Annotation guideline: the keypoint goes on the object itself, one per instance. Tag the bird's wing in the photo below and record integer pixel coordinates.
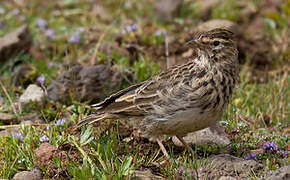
(138, 99)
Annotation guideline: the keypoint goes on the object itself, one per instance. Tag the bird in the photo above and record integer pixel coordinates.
(182, 99)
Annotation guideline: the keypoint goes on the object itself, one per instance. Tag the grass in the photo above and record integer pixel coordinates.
(259, 112)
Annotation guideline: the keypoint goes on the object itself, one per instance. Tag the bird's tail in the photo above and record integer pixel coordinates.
(93, 118)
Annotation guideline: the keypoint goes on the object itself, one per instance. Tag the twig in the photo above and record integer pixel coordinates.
(168, 63)
(19, 125)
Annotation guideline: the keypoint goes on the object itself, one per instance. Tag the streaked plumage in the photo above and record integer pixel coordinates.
(184, 98)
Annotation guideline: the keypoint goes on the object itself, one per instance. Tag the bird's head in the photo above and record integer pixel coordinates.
(218, 45)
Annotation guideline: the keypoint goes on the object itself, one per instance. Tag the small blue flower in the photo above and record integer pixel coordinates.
(60, 122)
(252, 156)
(41, 23)
(75, 38)
(81, 29)
(1, 98)
(131, 28)
(15, 11)
(160, 32)
(54, 64)
(284, 154)
(1, 25)
(18, 136)
(269, 172)
(50, 33)
(270, 146)
(40, 80)
(44, 138)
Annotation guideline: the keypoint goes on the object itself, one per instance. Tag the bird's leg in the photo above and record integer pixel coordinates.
(162, 148)
(185, 145)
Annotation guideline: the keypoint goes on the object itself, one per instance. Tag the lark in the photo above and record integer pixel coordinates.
(182, 99)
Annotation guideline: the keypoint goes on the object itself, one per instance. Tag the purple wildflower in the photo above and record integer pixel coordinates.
(1, 98)
(15, 11)
(44, 138)
(81, 29)
(51, 64)
(50, 33)
(1, 25)
(18, 136)
(283, 153)
(131, 28)
(270, 146)
(252, 156)
(60, 122)
(160, 32)
(40, 80)
(75, 38)
(41, 23)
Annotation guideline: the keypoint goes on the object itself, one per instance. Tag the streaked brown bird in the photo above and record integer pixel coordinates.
(182, 99)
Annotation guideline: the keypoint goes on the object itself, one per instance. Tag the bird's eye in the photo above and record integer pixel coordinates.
(216, 43)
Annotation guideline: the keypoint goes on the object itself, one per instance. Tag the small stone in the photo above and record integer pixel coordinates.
(84, 83)
(145, 175)
(15, 42)
(45, 156)
(211, 135)
(232, 165)
(32, 93)
(34, 174)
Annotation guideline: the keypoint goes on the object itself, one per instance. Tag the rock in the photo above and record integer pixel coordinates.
(46, 154)
(221, 167)
(32, 93)
(145, 175)
(34, 174)
(84, 83)
(282, 173)
(233, 166)
(166, 10)
(202, 173)
(211, 135)
(17, 41)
